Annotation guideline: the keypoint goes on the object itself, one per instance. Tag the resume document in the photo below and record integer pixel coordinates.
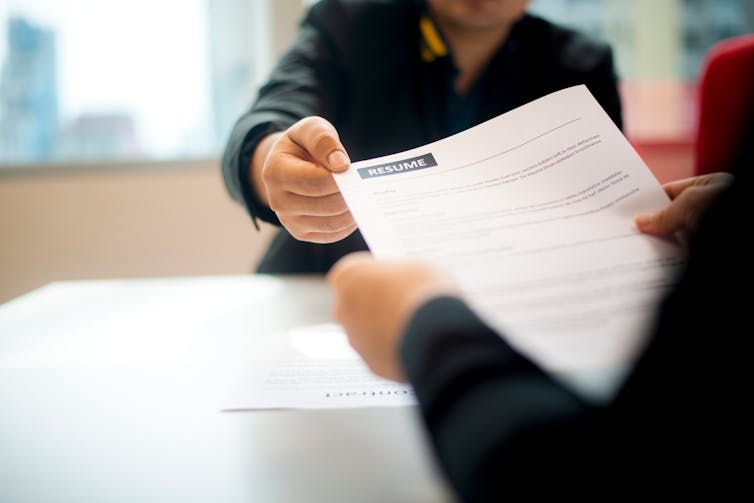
(532, 212)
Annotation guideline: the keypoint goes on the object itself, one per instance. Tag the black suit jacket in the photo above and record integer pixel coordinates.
(358, 64)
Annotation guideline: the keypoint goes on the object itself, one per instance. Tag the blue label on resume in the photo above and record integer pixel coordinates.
(393, 168)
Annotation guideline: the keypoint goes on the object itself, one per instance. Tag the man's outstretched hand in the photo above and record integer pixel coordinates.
(291, 172)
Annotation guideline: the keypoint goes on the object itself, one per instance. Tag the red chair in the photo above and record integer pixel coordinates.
(725, 103)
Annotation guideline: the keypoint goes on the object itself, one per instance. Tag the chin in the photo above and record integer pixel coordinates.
(479, 13)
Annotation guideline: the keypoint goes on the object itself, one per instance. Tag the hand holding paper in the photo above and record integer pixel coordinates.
(690, 198)
(292, 174)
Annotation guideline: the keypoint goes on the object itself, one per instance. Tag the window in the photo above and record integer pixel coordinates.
(144, 79)
(659, 47)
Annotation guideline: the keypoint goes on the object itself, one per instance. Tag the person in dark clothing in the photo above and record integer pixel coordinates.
(501, 426)
(369, 78)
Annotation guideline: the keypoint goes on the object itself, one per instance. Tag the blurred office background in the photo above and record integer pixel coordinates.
(113, 116)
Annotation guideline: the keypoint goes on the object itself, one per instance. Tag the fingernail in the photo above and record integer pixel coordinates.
(338, 159)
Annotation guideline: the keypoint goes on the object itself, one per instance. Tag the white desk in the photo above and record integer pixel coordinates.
(110, 392)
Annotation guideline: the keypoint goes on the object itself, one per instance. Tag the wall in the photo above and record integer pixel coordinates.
(165, 219)
(115, 221)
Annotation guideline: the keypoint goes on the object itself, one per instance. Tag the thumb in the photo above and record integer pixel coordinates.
(665, 222)
(321, 141)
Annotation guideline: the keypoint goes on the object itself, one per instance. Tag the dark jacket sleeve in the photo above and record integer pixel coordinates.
(496, 420)
(592, 61)
(306, 81)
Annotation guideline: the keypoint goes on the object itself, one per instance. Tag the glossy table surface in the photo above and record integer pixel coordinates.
(111, 391)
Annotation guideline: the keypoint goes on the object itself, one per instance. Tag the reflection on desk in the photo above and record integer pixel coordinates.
(111, 391)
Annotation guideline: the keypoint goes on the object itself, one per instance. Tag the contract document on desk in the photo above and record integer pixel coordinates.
(532, 212)
(314, 367)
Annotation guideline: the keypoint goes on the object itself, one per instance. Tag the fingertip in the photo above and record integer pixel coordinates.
(643, 221)
(339, 266)
(338, 161)
(356, 257)
(334, 272)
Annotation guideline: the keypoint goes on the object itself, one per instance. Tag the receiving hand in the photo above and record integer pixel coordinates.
(374, 301)
(690, 198)
(295, 170)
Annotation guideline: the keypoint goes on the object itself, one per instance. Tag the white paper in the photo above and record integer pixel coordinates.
(533, 213)
(314, 367)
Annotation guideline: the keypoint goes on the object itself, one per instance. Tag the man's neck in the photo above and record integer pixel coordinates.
(472, 50)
